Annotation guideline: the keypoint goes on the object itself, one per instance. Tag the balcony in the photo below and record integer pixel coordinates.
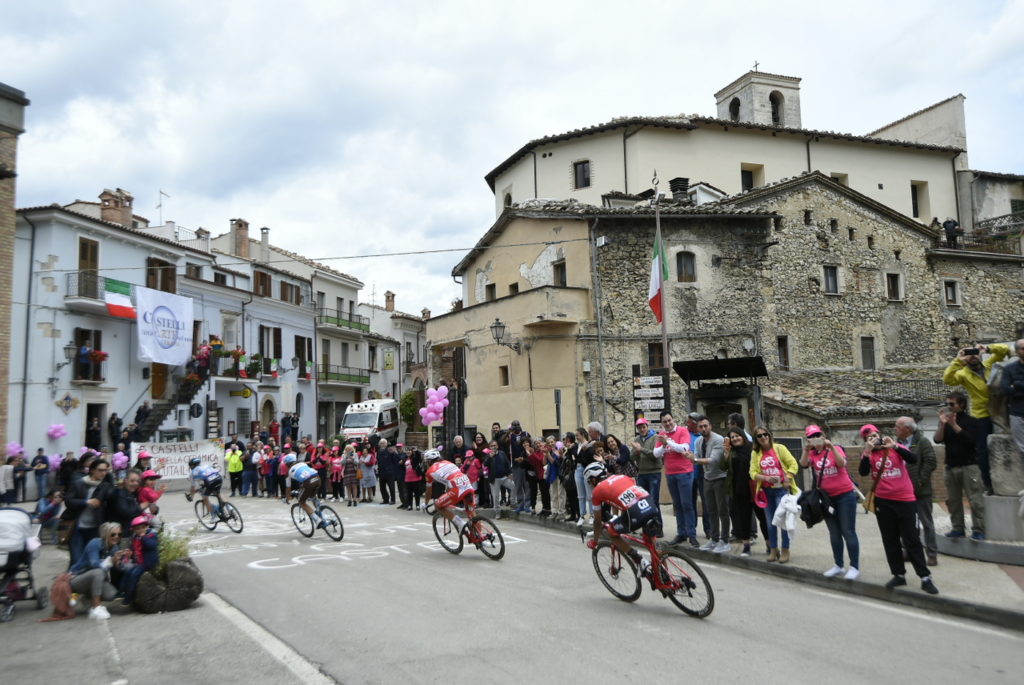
(84, 292)
(339, 319)
(331, 373)
(1007, 243)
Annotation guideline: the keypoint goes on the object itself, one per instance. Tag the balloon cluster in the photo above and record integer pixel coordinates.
(55, 461)
(437, 400)
(57, 431)
(14, 449)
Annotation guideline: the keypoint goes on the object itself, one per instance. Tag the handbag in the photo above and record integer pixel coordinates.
(815, 504)
(761, 498)
(869, 503)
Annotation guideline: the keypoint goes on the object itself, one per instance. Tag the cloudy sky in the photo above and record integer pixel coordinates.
(357, 128)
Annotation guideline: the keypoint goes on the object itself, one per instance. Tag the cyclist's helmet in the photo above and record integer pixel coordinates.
(431, 455)
(194, 462)
(595, 470)
(289, 459)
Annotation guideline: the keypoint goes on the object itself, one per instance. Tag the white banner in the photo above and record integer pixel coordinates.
(165, 326)
(171, 458)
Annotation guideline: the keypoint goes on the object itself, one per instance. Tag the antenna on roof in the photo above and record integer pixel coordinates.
(160, 205)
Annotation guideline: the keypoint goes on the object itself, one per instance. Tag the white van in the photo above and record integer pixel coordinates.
(363, 419)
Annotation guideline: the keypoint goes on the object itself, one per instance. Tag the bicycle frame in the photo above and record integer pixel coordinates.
(650, 544)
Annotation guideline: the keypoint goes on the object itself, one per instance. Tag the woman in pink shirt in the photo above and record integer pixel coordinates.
(896, 505)
(829, 464)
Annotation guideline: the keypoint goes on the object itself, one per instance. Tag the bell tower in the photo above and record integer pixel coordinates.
(761, 98)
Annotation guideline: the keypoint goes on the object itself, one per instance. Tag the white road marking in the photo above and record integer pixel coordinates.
(307, 673)
(114, 658)
(920, 614)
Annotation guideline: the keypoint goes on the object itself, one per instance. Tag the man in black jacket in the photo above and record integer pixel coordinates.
(1013, 386)
(908, 435)
(963, 476)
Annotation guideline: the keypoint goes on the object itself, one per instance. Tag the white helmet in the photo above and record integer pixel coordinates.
(431, 455)
(595, 470)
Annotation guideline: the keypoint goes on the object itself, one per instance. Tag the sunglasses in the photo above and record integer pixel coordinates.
(115, 535)
(763, 435)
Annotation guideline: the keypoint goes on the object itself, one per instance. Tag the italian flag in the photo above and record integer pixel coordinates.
(659, 274)
(117, 295)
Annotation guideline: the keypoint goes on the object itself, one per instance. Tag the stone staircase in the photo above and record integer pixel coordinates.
(161, 409)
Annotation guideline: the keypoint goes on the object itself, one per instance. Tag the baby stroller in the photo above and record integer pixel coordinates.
(18, 547)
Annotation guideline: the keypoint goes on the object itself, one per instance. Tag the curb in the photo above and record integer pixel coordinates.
(1003, 618)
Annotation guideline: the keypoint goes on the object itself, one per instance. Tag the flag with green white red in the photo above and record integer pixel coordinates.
(118, 296)
(659, 274)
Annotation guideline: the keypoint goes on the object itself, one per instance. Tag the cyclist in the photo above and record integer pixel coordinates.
(208, 479)
(455, 482)
(637, 506)
(305, 477)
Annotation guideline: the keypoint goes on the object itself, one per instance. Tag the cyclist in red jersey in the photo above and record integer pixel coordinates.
(636, 504)
(456, 483)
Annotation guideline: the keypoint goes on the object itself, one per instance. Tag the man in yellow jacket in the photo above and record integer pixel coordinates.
(233, 462)
(969, 370)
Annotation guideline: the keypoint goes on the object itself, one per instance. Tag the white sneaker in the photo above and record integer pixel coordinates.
(708, 546)
(722, 547)
(582, 521)
(99, 613)
(833, 572)
(852, 574)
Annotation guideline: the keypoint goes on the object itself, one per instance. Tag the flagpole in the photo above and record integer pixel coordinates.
(661, 251)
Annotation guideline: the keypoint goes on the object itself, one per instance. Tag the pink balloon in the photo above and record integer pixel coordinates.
(431, 392)
(430, 418)
(443, 391)
(423, 412)
(444, 402)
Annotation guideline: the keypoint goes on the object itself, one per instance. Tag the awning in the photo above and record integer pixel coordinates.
(709, 369)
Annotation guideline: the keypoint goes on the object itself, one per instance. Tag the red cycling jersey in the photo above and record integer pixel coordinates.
(455, 482)
(621, 492)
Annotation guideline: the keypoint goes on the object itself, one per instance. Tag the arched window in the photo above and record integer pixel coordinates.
(686, 267)
(508, 199)
(777, 102)
(734, 109)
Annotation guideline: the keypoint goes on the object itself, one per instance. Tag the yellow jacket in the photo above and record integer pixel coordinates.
(788, 464)
(958, 373)
(234, 461)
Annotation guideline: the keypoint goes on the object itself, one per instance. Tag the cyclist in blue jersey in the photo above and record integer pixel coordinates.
(306, 479)
(207, 480)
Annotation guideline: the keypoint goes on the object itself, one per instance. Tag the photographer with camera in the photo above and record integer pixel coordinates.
(970, 371)
(956, 431)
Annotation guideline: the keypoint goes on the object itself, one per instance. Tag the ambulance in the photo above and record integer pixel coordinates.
(363, 419)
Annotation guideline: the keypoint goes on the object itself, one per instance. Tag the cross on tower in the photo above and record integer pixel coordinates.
(756, 63)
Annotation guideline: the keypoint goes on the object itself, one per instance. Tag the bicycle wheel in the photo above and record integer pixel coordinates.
(203, 514)
(332, 524)
(690, 589)
(231, 516)
(491, 542)
(617, 571)
(444, 531)
(302, 521)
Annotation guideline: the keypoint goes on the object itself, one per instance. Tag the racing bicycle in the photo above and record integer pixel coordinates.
(480, 532)
(225, 512)
(673, 574)
(330, 521)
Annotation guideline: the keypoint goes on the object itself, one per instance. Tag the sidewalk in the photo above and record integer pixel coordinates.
(993, 593)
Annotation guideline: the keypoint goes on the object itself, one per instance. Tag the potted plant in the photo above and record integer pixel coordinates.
(175, 583)
(254, 367)
(98, 356)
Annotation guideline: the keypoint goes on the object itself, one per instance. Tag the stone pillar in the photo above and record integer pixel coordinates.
(12, 125)
(1006, 463)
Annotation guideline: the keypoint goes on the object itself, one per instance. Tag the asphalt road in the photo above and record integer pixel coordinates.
(388, 605)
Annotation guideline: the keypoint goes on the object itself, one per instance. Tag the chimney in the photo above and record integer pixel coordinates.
(679, 186)
(425, 313)
(389, 301)
(116, 207)
(265, 245)
(240, 238)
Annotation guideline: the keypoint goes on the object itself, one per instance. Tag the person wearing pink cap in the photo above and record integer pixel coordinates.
(829, 464)
(149, 493)
(896, 506)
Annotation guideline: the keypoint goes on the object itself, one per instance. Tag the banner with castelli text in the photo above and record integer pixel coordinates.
(170, 459)
(165, 326)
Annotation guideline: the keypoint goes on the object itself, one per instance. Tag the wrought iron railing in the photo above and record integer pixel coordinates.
(335, 317)
(86, 283)
(999, 243)
(342, 374)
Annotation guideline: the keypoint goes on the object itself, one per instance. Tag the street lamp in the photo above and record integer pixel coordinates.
(70, 352)
(498, 333)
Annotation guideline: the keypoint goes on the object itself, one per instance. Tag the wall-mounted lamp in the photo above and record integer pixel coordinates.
(498, 333)
(295, 365)
(70, 352)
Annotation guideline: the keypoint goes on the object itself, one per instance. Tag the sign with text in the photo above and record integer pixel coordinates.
(651, 394)
(171, 458)
(164, 326)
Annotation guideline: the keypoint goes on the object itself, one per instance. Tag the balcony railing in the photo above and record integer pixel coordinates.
(334, 317)
(85, 284)
(342, 374)
(999, 243)
(88, 371)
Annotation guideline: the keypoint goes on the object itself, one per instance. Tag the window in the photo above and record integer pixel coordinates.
(734, 109)
(193, 270)
(1016, 206)
(219, 278)
(325, 351)
(508, 199)
(778, 222)
(513, 288)
(851, 233)
(160, 275)
(841, 179)
(808, 217)
(269, 344)
(490, 292)
(831, 280)
(304, 351)
(746, 179)
(777, 102)
(871, 242)
(321, 299)
(919, 204)
(502, 375)
(88, 263)
(893, 287)
(344, 354)
(261, 283)
(290, 293)
(686, 267)
(372, 356)
(951, 293)
(558, 273)
(782, 343)
(581, 174)
(655, 356)
(751, 176)
(85, 368)
(867, 353)
(833, 225)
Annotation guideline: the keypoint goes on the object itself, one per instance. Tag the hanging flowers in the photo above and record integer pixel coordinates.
(98, 356)
(56, 431)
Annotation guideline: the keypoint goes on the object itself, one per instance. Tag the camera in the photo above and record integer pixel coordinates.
(972, 350)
